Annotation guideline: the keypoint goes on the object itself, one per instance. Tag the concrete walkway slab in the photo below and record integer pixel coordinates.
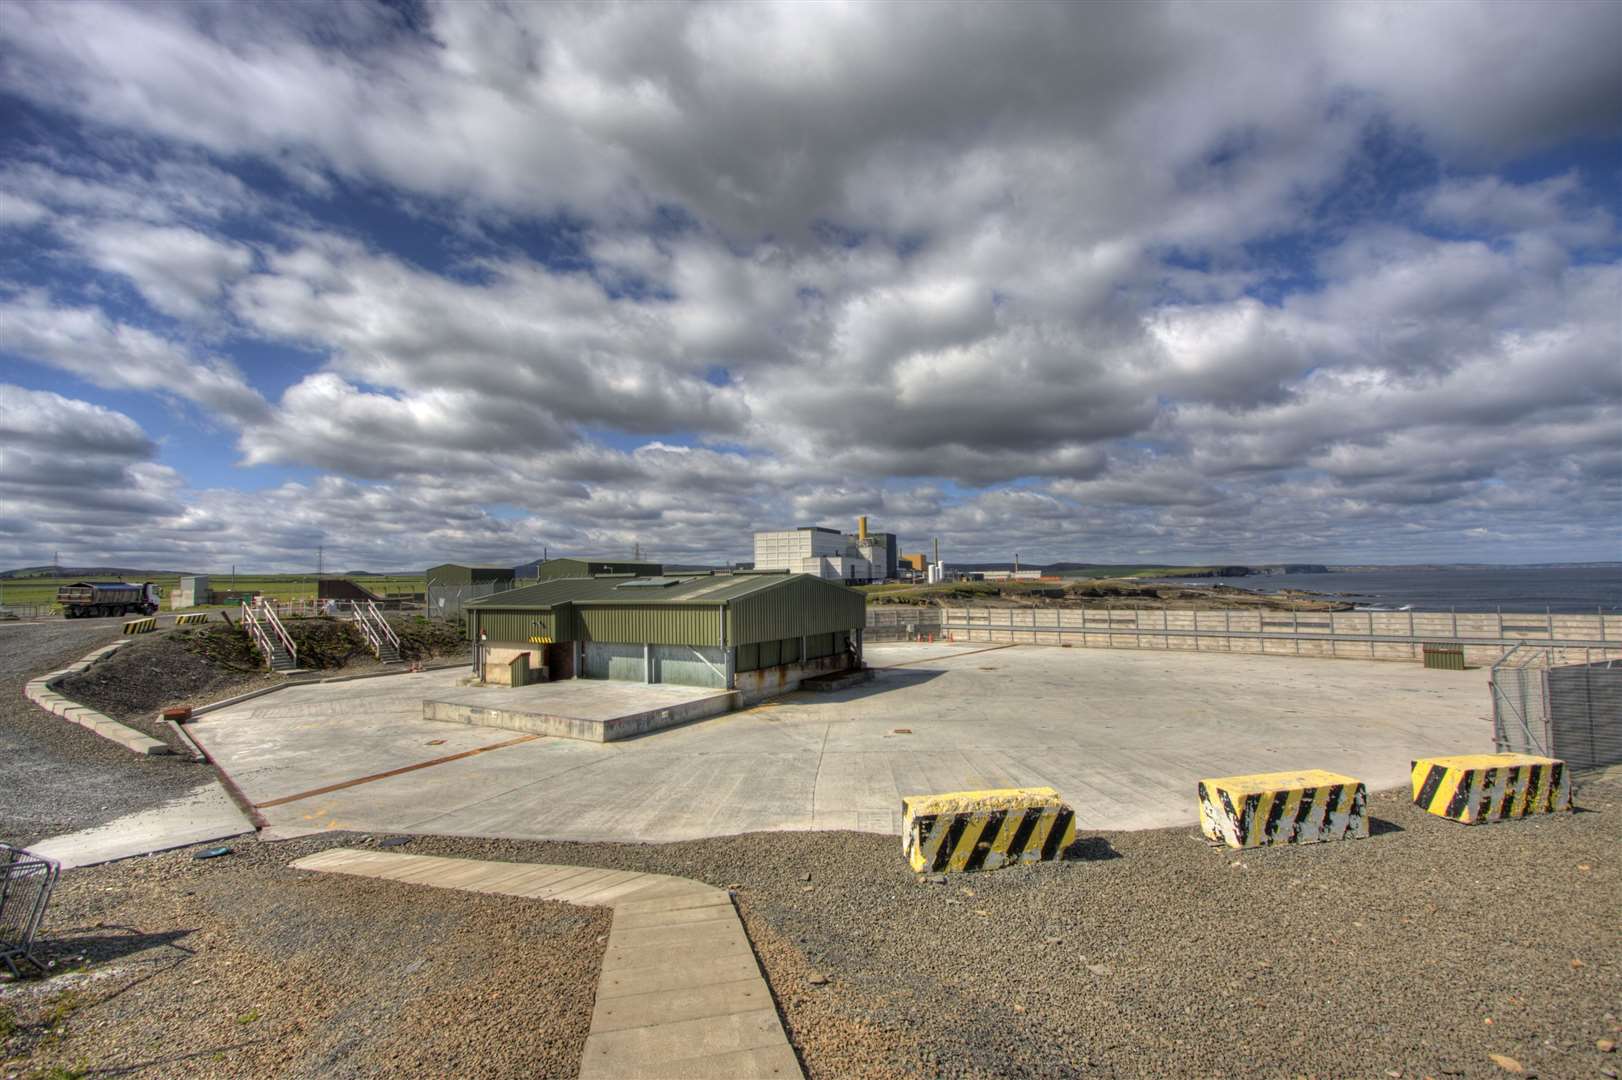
(1123, 736)
(673, 999)
(207, 813)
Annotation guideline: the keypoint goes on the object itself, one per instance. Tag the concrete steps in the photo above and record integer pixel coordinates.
(680, 993)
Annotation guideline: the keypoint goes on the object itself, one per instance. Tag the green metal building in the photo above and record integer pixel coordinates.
(758, 633)
(585, 566)
(457, 574)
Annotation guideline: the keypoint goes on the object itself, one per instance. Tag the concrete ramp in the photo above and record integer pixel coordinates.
(593, 710)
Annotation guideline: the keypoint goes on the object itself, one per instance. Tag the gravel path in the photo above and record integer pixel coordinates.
(58, 776)
(238, 966)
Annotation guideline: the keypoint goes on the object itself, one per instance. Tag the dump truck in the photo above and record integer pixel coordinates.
(87, 599)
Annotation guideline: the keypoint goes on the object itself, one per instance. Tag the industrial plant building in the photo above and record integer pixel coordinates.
(854, 558)
(758, 633)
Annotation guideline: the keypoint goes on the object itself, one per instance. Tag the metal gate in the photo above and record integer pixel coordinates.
(26, 881)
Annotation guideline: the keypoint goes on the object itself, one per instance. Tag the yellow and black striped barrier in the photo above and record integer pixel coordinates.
(141, 626)
(1283, 808)
(191, 617)
(1491, 787)
(983, 830)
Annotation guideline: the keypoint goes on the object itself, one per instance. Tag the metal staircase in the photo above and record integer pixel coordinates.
(380, 635)
(268, 633)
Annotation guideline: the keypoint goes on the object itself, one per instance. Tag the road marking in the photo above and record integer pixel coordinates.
(393, 772)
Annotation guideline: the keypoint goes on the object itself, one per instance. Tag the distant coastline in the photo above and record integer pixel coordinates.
(1558, 588)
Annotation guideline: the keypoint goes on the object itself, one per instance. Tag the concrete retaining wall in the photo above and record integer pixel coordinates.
(574, 727)
(1350, 635)
(781, 678)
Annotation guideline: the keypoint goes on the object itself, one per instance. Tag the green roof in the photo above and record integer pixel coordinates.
(705, 589)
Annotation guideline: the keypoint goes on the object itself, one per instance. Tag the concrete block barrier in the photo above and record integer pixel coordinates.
(1283, 808)
(1491, 787)
(141, 626)
(191, 617)
(983, 830)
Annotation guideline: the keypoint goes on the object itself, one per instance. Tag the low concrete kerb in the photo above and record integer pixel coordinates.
(42, 692)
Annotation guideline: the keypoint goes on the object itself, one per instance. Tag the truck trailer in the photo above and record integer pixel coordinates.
(88, 599)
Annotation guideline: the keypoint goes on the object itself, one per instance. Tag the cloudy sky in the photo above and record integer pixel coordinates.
(1192, 282)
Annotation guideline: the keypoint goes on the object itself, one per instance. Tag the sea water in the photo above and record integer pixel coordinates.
(1556, 589)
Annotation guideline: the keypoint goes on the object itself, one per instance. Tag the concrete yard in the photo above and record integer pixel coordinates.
(1123, 735)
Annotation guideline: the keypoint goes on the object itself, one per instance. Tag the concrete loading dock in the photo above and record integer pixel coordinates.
(757, 634)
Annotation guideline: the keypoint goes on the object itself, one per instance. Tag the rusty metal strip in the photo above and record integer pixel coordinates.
(393, 772)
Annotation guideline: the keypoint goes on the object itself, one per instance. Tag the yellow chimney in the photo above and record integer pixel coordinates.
(861, 527)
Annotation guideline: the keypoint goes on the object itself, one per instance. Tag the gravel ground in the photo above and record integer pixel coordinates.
(1420, 951)
(238, 966)
(59, 777)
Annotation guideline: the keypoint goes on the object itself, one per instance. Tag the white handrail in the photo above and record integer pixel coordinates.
(366, 628)
(281, 631)
(371, 605)
(256, 632)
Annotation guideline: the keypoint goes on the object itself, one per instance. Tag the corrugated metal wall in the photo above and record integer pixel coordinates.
(799, 606)
(689, 666)
(765, 654)
(514, 627)
(656, 623)
(611, 660)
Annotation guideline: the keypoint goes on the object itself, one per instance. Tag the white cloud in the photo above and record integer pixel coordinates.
(117, 355)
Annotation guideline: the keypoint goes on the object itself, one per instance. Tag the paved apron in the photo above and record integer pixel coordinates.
(680, 993)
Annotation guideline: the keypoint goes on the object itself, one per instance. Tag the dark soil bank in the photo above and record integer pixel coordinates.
(196, 665)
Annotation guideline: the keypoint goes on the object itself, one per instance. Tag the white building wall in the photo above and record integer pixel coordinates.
(804, 551)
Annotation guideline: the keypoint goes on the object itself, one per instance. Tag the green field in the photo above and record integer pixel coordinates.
(274, 586)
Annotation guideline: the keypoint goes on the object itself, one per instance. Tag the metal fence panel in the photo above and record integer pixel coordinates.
(445, 601)
(26, 881)
(1585, 713)
(899, 622)
(1520, 722)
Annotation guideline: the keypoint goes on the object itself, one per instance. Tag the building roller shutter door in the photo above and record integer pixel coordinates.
(611, 660)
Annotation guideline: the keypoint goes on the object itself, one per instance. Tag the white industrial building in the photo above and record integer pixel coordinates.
(854, 558)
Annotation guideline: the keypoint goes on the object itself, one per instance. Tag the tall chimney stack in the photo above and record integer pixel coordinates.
(937, 557)
(861, 528)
